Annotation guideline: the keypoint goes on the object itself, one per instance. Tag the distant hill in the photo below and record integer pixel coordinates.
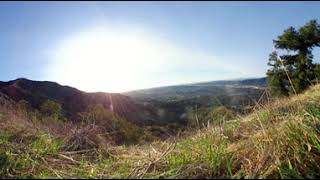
(259, 82)
(174, 101)
(216, 88)
(72, 100)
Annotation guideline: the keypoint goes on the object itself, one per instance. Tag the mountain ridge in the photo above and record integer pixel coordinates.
(263, 81)
(73, 101)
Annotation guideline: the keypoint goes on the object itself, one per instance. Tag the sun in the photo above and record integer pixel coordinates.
(104, 60)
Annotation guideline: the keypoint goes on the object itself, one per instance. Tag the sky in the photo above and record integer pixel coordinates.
(123, 46)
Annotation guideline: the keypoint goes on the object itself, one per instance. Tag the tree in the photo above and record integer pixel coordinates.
(298, 62)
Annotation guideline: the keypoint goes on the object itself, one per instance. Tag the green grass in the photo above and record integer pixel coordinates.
(45, 144)
(280, 140)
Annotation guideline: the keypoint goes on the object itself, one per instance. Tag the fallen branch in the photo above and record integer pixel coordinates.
(77, 152)
(69, 158)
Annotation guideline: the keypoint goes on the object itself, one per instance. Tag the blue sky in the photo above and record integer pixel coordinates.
(159, 43)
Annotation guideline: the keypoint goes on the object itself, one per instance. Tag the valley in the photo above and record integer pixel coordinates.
(156, 106)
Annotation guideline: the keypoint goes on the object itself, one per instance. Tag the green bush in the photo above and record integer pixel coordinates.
(52, 109)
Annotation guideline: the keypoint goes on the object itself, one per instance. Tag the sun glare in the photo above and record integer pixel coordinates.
(104, 60)
(117, 60)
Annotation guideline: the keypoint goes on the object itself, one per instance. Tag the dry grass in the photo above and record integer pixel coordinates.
(278, 140)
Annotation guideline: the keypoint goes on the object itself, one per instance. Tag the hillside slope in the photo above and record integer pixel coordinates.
(73, 101)
(278, 140)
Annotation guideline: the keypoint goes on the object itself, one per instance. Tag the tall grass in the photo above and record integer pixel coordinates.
(278, 140)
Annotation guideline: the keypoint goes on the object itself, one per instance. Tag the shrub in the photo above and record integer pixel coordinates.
(52, 109)
(110, 126)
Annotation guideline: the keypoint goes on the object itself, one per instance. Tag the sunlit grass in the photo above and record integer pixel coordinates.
(280, 140)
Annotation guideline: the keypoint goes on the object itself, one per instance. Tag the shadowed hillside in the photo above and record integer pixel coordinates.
(72, 100)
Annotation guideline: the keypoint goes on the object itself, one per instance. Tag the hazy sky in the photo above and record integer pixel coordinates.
(120, 46)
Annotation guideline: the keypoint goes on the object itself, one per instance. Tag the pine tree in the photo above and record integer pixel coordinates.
(298, 62)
